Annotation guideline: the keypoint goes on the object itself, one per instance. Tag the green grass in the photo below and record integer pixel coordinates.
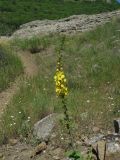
(33, 45)
(10, 67)
(13, 13)
(92, 66)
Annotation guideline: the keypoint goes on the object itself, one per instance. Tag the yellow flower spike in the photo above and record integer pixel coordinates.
(60, 81)
(62, 76)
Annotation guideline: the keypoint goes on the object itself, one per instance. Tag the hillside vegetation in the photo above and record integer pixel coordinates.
(13, 13)
(92, 67)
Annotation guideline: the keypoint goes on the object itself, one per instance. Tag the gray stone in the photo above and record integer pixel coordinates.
(43, 128)
(95, 139)
(113, 147)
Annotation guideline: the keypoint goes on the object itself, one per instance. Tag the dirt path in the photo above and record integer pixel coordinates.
(30, 70)
(28, 60)
(6, 95)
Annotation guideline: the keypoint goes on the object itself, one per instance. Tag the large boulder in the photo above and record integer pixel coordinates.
(43, 128)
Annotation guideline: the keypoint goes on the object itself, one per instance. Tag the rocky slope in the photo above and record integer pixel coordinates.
(72, 24)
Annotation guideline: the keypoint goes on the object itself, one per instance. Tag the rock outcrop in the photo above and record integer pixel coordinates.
(72, 24)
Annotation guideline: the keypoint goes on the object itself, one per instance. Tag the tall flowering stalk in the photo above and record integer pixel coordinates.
(61, 89)
(60, 81)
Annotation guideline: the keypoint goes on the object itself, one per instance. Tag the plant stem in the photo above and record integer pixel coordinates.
(67, 120)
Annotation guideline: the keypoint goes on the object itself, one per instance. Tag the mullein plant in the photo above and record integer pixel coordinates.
(61, 89)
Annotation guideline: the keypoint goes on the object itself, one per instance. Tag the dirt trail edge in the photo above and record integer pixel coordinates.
(30, 70)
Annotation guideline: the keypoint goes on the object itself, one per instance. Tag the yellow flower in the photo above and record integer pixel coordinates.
(65, 80)
(60, 81)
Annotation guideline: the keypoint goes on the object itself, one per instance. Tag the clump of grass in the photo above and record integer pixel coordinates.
(33, 45)
(10, 67)
(92, 64)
